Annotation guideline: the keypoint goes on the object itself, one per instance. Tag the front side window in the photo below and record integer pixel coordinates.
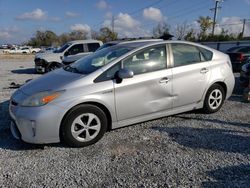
(75, 49)
(97, 60)
(185, 54)
(148, 60)
(109, 74)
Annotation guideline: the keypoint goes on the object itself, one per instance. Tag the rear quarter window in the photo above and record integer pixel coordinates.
(207, 54)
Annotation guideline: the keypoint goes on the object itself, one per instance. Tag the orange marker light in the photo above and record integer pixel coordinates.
(49, 98)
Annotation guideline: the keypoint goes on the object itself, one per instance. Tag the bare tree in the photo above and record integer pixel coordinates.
(181, 30)
(106, 35)
(161, 29)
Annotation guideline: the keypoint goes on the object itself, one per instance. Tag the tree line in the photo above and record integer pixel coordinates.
(162, 30)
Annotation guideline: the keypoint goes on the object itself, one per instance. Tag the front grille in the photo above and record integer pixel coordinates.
(39, 62)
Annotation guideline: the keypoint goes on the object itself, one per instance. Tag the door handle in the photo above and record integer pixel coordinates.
(164, 80)
(204, 70)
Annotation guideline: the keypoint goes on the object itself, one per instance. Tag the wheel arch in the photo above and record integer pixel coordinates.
(99, 105)
(219, 82)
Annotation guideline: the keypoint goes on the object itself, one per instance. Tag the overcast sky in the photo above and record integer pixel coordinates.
(19, 19)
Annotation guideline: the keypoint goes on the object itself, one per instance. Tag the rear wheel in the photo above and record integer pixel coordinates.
(214, 99)
(83, 125)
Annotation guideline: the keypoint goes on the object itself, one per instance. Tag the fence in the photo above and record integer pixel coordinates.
(223, 46)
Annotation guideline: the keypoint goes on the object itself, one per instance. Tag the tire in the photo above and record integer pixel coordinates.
(77, 130)
(214, 99)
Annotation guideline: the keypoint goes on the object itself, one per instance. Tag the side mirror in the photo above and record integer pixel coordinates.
(66, 54)
(125, 73)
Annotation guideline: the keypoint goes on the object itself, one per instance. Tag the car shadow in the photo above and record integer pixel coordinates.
(7, 141)
(247, 125)
(210, 139)
(231, 176)
(24, 71)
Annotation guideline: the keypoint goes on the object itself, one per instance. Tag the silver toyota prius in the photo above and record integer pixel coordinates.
(119, 86)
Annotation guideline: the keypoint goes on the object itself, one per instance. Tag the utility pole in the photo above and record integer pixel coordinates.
(215, 9)
(243, 27)
(113, 24)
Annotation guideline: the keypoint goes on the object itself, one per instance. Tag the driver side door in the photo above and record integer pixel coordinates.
(74, 53)
(149, 91)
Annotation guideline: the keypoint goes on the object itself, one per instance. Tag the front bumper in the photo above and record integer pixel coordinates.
(40, 65)
(39, 125)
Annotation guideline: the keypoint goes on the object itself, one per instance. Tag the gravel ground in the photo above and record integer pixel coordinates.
(185, 150)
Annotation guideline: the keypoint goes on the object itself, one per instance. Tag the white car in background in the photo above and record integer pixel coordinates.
(17, 50)
(21, 50)
(35, 50)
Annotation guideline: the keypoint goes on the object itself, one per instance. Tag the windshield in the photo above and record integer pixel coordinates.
(64, 47)
(97, 60)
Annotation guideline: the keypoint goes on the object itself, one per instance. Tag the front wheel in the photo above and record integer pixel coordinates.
(83, 125)
(214, 99)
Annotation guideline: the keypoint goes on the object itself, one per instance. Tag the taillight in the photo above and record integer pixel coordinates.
(240, 57)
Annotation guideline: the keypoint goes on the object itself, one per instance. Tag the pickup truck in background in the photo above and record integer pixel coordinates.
(67, 54)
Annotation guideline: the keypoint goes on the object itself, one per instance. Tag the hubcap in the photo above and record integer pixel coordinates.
(215, 99)
(85, 127)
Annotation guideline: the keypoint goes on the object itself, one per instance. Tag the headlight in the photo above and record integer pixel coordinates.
(41, 98)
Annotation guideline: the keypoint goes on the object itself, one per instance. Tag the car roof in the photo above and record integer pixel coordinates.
(124, 41)
(85, 41)
(152, 42)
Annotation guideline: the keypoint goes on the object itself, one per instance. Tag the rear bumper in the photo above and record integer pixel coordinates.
(244, 79)
(236, 66)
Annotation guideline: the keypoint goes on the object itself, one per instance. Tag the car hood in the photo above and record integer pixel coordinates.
(50, 56)
(52, 81)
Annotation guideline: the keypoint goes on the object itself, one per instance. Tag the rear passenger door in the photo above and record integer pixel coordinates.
(92, 47)
(191, 73)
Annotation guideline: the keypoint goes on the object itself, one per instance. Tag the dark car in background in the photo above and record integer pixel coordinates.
(239, 55)
(245, 75)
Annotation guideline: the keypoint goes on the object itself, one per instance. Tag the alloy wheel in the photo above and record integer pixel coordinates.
(215, 99)
(85, 127)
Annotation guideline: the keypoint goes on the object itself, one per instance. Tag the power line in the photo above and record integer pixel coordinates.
(141, 9)
(188, 12)
(130, 13)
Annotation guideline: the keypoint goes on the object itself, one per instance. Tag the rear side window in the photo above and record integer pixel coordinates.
(207, 55)
(186, 54)
(93, 46)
